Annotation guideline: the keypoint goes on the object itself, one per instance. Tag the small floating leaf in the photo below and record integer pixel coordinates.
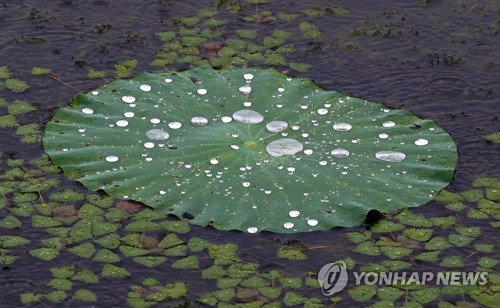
(86, 276)
(226, 155)
(16, 85)
(426, 295)
(96, 74)
(63, 272)
(453, 261)
(10, 241)
(46, 254)
(111, 271)
(459, 240)
(85, 296)
(150, 261)
(20, 107)
(40, 70)
(56, 296)
(437, 243)
(291, 253)
(362, 293)
(190, 262)
(432, 256)
(418, 234)
(106, 255)
(28, 298)
(495, 137)
(60, 284)
(85, 250)
(292, 299)
(213, 272)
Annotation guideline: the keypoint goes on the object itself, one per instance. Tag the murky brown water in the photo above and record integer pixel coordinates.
(439, 61)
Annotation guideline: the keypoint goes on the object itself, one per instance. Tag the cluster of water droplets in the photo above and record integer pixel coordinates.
(282, 145)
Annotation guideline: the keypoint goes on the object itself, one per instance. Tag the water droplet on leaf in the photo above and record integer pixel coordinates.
(248, 116)
(390, 156)
(286, 146)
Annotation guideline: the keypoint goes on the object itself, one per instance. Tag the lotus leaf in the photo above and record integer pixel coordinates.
(249, 149)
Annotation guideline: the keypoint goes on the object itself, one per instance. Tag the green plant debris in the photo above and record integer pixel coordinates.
(445, 196)
(142, 226)
(85, 250)
(63, 272)
(339, 11)
(130, 251)
(359, 236)
(460, 240)
(314, 13)
(124, 69)
(40, 70)
(383, 226)
(45, 254)
(190, 262)
(148, 214)
(56, 297)
(150, 282)
(495, 137)
(11, 241)
(93, 74)
(453, 261)
(170, 240)
(10, 222)
(389, 294)
(67, 195)
(241, 270)
(16, 85)
(443, 222)
(426, 296)
(300, 67)
(422, 235)
(293, 299)
(107, 256)
(197, 244)
(176, 226)
(486, 182)
(456, 207)
(60, 284)
(86, 276)
(485, 248)
(367, 248)
(486, 262)
(246, 34)
(309, 31)
(291, 253)
(287, 17)
(8, 260)
(224, 294)
(112, 271)
(85, 296)
(18, 107)
(4, 72)
(7, 121)
(29, 298)
(431, 256)
(150, 261)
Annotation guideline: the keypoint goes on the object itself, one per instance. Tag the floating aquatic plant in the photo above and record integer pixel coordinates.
(248, 149)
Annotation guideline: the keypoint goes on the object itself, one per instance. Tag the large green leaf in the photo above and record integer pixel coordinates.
(337, 158)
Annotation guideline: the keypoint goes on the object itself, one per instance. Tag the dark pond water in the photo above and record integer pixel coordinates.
(438, 59)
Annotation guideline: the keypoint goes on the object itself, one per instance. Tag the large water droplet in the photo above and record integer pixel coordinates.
(421, 142)
(157, 134)
(149, 145)
(342, 127)
(286, 146)
(199, 121)
(383, 136)
(112, 158)
(312, 222)
(308, 152)
(175, 125)
(145, 87)
(294, 214)
(245, 90)
(247, 104)
(388, 124)
(276, 126)
(340, 153)
(248, 116)
(128, 99)
(288, 225)
(155, 121)
(201, 91)
(168, 80)
(226, 119)
(248, 76)
(322, 111)
(129, 114)
(122, 123)
(214, 161)
(390, 156)
(88, 110)
(246, 184)
(252, 230)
